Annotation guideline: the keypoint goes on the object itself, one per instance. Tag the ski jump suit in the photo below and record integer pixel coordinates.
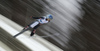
(34, 25)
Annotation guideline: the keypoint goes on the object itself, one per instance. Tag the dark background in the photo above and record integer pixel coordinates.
(85, 39)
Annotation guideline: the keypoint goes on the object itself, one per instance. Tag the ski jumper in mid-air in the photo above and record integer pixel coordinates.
(39, 21)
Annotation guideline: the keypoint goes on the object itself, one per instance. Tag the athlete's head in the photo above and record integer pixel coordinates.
(49, 16)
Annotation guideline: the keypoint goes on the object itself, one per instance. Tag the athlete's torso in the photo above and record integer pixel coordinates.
(42, 21)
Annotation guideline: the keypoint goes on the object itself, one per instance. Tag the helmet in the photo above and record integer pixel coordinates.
(49, 17)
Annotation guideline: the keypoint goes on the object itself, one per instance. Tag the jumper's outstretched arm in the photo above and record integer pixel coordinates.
(36, 17)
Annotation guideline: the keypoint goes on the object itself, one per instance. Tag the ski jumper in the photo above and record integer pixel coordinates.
(36, 24)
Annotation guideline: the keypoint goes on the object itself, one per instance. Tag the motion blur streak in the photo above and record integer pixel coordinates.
(76, 22)
(66, 14)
